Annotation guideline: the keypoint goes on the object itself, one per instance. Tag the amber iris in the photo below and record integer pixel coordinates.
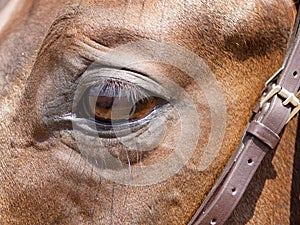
(114, 109)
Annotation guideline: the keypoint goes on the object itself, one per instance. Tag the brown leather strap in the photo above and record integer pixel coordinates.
(262, 134)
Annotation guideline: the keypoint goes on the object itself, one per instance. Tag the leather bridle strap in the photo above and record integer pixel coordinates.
(277, 105)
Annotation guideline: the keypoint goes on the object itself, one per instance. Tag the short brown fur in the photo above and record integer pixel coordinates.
(243, 42)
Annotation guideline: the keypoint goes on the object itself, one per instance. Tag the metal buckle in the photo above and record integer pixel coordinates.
(289, 97)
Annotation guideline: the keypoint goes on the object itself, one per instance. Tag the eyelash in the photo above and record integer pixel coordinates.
(119, 88)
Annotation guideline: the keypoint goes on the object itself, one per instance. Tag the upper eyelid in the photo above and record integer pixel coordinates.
(91, 78)
(119, 89)
(91, 50)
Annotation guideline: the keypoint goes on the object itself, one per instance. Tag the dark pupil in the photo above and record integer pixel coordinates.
(104, 102)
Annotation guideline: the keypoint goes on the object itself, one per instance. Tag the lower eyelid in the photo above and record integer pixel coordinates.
(92, 128)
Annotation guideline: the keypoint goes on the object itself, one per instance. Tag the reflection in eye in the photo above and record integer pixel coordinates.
(102, 106)
(118, 101)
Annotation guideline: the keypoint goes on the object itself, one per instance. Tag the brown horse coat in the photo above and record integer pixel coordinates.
(45, 181)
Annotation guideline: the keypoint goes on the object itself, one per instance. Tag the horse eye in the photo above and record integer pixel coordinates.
(117, 106)
(116, 109)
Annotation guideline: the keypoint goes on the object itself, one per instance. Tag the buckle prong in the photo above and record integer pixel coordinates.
(275, 89)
